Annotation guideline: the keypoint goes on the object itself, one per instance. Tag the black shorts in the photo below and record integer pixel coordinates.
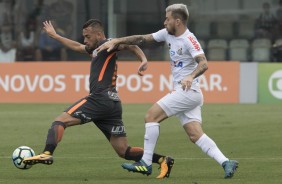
(106, 114)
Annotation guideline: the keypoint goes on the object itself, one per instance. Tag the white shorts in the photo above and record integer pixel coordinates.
(185, 105)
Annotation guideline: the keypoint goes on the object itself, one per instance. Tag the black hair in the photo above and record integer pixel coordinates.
(95, 24)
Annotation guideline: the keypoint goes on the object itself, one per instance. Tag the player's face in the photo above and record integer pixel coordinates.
(90, 38)
(169, 23)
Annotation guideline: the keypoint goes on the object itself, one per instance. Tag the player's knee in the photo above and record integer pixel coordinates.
(62, 122)
(194, 137)
(194, 131)
(150, 117)
(155, 114)
(147, 117)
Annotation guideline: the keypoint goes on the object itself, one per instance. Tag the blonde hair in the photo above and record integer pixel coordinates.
(179, 11)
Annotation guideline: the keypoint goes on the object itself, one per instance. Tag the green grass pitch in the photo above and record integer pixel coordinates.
(248, 133)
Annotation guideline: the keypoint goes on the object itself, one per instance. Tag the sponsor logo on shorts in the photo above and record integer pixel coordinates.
(118, 130)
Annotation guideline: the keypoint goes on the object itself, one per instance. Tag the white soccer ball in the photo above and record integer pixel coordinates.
(19, 154)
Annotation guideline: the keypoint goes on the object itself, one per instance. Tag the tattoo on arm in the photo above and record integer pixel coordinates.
(202, 67)
(137, 39)
(200, 58)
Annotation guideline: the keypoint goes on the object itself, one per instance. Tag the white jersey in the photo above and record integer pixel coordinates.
(182, 50)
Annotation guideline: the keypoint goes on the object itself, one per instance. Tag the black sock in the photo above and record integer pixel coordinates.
(54, 136)
(157, 158)
(133, 153)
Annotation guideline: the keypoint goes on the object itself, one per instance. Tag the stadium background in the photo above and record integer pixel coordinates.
(246, 125)
(209, 20)
(228, 31)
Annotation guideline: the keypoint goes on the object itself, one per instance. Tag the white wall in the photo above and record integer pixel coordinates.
(248, 82)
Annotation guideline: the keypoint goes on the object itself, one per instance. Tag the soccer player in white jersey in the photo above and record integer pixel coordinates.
(188, 62)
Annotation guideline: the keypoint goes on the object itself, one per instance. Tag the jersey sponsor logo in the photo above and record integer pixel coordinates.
(194, 43)
(172, 53)
(178, 64)
(118, 130)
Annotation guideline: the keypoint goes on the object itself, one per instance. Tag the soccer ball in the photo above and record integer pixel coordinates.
(19, 154)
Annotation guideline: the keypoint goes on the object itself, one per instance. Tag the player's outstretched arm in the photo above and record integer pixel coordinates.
(130, 40)
(139, 53)
(73, 45)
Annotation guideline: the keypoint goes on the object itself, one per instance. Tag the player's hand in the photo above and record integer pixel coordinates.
(143, 67)
(186, 83)
(109, 45)
(48, 27)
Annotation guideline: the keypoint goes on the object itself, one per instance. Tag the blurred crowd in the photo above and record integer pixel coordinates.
(269, 25)
(22, 38)
(21, 34)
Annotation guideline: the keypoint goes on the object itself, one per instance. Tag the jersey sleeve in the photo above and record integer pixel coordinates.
(160, 36)
(194, 46)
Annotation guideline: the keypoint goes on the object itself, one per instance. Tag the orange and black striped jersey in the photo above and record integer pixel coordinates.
(103, 72)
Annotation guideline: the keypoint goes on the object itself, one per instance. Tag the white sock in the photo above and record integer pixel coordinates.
(152, 130)
(210, 148)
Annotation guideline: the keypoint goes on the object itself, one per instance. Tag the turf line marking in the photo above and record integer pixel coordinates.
(193, 158)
